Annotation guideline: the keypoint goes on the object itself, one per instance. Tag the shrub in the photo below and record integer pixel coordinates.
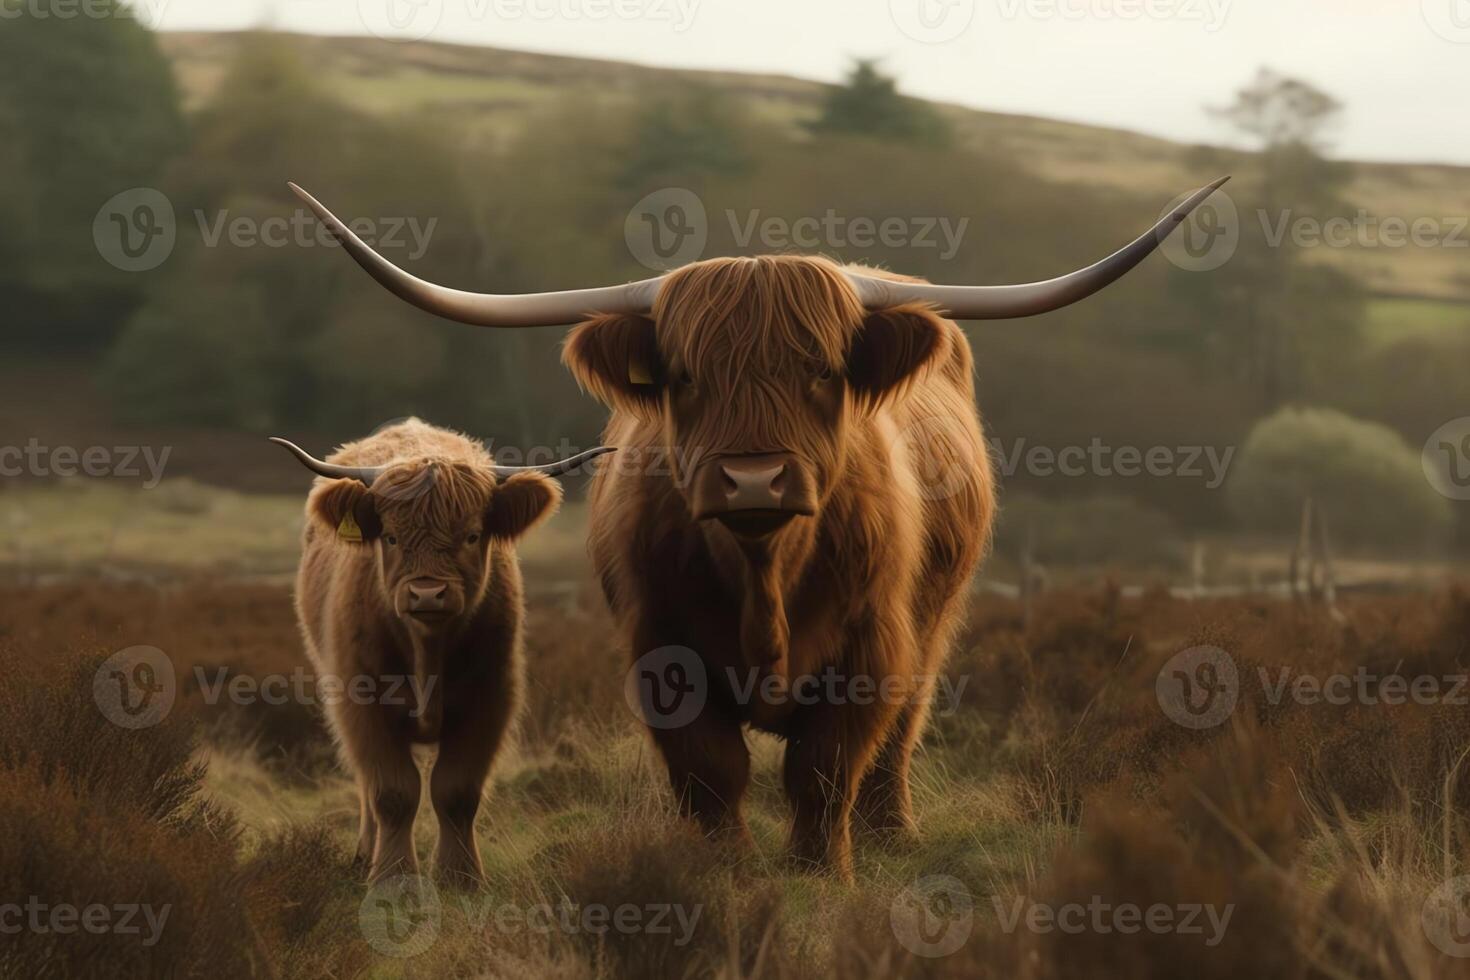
(1362, 475)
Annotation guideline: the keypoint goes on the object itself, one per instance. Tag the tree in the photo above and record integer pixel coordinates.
(868, 104)
(90, 110)
(1363, 475)
(1286, 325)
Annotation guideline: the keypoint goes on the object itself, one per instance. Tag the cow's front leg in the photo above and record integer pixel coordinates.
(457, 786)
(367, 825)
(389, 785)
(709, 768)
(884, 806)
(831, 746)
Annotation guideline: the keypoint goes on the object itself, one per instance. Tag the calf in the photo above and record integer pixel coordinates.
(410, 602)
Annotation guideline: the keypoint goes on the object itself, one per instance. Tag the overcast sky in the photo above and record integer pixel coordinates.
(1402, 67)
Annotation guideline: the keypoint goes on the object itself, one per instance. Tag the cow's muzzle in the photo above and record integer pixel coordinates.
(430, 599)
(752, 494)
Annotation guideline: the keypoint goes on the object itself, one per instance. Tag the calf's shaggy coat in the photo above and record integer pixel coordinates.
(409, 596)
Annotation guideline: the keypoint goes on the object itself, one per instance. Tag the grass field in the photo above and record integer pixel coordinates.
(1316, 833)
(1390, 321)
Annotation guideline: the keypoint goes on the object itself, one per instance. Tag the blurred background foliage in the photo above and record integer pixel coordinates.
(296, 339)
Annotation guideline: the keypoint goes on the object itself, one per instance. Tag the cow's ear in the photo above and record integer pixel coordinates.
(345, 508)
(615, 356)
(519, 503)
(891, 348)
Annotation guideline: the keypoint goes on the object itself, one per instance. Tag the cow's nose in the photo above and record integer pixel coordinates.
(753, 483)
(426, 595)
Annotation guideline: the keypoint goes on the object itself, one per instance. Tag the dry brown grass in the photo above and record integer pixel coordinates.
(1056, 779)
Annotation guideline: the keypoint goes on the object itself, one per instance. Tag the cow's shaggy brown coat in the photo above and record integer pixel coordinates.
(437, 514)
(776, 354)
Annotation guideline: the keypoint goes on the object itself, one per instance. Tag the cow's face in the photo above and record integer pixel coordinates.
(433, 527)
(756, 369)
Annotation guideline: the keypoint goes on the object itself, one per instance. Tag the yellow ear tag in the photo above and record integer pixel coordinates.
(638, 373)
(348, 529)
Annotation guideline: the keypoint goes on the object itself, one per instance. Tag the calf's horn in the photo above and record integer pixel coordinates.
(569, 306)
(368, 474)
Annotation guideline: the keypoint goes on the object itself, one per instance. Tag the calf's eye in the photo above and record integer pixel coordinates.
(473, 538)
(392, 539)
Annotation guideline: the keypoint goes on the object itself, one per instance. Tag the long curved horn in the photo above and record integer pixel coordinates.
(364, 474)
(553, 469)
(1030, 299)
(568, 306)
(486, 309)
(368, 474)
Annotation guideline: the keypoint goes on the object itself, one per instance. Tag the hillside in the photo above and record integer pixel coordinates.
(491, 91)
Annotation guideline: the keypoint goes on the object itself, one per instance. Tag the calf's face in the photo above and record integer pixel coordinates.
(433, 527)
(755, 370)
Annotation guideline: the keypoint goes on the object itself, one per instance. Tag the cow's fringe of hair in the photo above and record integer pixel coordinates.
(780, 310)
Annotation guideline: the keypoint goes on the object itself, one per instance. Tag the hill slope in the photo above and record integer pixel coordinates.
(491, 92)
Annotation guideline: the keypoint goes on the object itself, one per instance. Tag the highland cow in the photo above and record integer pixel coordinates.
(410, 602)
(803, 496)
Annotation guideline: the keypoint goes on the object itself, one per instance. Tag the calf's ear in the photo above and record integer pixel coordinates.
(892, 348)
(519, 503)
(346, 509)
(615, 357)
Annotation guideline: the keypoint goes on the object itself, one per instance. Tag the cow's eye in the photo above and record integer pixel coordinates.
(392, 539)
(823, 372)
(472, 538)
(686, 379)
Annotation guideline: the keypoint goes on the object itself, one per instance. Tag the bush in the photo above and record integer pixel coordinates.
(1362, 475)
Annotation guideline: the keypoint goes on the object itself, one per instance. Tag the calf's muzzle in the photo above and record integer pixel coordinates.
(428, 596)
